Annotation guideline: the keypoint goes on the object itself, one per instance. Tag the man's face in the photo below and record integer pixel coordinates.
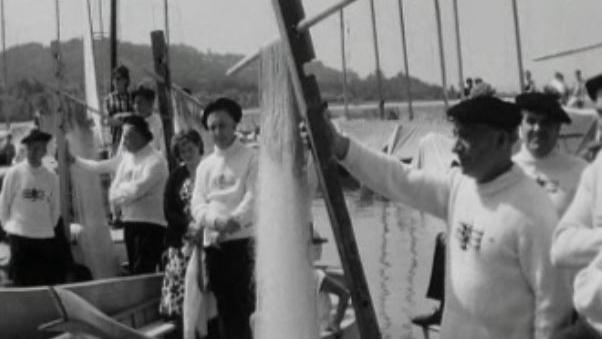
(222, 128)
(539, 133)
(478, 148)
(133, 140)
(120, 83)
(143, 106)
(35, 151)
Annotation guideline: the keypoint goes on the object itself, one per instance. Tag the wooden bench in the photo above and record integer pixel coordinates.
(79, 316)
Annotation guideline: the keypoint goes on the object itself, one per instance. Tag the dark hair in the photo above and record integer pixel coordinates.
(144, 90)
(140, 124)
(222, 104)
(186, 135)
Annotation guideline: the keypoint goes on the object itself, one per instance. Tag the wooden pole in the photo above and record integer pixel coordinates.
(344, 65)
(406, 66)
(113, 33)
(59, 133)
(519, 53)
(163, 92)
(299, 51)
(441, 54)
(5, 107)
(379, 86)
(459, 49)
(569, 52)
(166, 14)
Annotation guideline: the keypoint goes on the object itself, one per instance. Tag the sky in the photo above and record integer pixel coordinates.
(242, 26)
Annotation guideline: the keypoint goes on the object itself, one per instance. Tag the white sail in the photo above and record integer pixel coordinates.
(95, 247)
(90, 75)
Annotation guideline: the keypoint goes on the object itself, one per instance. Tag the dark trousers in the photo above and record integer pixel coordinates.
(579, 330)
(144, 243)
(230, 270)
(436, 288)
(34, 262)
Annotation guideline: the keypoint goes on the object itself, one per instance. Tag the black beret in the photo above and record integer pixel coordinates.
(36, 135)
(145, 91)
(486, 110)
(593, 85)
(140, 124)
(543, 103)
(223, 104)
(121, 70)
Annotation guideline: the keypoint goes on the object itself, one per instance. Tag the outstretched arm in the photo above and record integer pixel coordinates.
(576, 239)
(331, 286)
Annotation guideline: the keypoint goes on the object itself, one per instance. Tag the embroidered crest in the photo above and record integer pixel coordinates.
(469, 236)
(34, 194)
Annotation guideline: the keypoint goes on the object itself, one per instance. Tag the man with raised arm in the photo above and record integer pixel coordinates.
(500, 283)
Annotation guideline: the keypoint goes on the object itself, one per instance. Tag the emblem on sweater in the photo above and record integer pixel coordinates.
(469, 236)
(548, 184)
(33, 194)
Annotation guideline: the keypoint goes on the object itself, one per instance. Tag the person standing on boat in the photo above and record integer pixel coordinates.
(577, 98)
(529, 83)
(29, 212)
(137, 191)
(144, 100)
(555, 171)
(222, 204)
(501, 283)
(187, 148)
(578, 238)
(118, 101)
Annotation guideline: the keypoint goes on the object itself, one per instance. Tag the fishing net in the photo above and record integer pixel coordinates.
(286, 305)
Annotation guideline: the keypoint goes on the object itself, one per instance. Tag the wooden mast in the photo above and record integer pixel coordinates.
(59, 133)
(113, 37)
(459, 50)
(381, 100)
(163, 92)
(519, 52)
(5, 107)
(441, 54)
(406, 65)
(344, 64)
(299, 51)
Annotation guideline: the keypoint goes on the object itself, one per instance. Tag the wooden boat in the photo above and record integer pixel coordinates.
(133, 301)
(24, 309)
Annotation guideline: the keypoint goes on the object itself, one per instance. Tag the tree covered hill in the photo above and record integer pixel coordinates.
(202, 72)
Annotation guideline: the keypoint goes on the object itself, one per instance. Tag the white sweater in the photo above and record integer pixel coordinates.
(138, 186)
(578, 238)
(500, 281)
(558, 173)
(225, 187)
(29, 201)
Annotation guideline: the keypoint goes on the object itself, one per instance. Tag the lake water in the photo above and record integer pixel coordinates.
(396, 249)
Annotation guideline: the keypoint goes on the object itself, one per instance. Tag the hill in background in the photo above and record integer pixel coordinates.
(202, 72)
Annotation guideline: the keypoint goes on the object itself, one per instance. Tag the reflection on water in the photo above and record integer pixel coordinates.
(396, 252)
(383, 272)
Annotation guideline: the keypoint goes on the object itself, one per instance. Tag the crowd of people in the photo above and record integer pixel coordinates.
(520, 258)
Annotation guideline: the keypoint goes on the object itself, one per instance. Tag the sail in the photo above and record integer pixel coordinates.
(94, 247)
(91, 89)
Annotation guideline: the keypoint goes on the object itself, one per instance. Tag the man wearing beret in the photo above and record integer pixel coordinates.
(578, 238)
(500, 281)
(222, 204)
(555, 171)
(29, 211)
(137, 191)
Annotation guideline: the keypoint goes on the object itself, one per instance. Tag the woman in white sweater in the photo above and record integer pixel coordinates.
(501, 283)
